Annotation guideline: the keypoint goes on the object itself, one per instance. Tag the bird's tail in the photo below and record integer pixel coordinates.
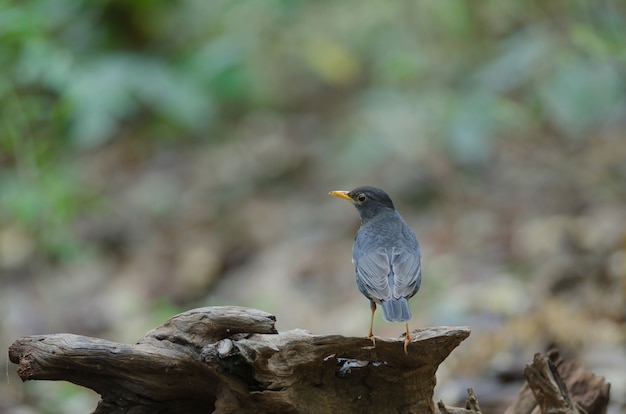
(396, 310)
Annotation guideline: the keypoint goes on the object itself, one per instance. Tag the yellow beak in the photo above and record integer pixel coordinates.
(342, 194)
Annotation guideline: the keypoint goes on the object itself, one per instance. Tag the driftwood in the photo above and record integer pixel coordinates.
(560, 387)
(232, 360)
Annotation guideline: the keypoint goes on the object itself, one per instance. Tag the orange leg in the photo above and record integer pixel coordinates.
(371, 334)
(407, 338)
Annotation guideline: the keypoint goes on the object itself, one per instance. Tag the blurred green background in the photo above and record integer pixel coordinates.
(157, 156)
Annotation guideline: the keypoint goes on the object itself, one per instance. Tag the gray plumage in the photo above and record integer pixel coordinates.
(386, 254)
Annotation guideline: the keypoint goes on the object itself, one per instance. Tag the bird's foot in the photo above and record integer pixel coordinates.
(407, 339)
(370, 336)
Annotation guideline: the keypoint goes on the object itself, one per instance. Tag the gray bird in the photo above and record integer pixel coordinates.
(386, 256)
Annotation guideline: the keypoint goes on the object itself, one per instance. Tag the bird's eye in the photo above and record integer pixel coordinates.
(361, 198)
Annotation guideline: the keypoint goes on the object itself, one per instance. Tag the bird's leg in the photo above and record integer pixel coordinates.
(407, 339)
(371, 334)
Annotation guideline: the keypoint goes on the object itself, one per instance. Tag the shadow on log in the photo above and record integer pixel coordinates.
(232, 360)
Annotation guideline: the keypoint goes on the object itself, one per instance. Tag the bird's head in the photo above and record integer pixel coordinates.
(368, 200)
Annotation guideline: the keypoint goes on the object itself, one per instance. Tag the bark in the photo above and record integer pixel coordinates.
(232, 360)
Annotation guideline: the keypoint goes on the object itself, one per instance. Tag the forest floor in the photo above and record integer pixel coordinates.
(529, 251)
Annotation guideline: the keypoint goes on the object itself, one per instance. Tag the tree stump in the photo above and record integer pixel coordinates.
(232, 360)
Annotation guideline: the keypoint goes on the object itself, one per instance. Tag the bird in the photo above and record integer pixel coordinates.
(386, 256)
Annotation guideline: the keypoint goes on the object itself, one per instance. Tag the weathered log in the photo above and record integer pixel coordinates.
(561, 387)
(232, 360)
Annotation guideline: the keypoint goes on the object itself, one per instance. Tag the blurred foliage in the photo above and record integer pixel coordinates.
(442, 76)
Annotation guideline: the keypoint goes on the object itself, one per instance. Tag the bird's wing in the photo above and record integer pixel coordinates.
(407, 269)
(372, 271)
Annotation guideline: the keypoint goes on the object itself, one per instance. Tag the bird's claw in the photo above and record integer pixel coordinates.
(373, 340)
